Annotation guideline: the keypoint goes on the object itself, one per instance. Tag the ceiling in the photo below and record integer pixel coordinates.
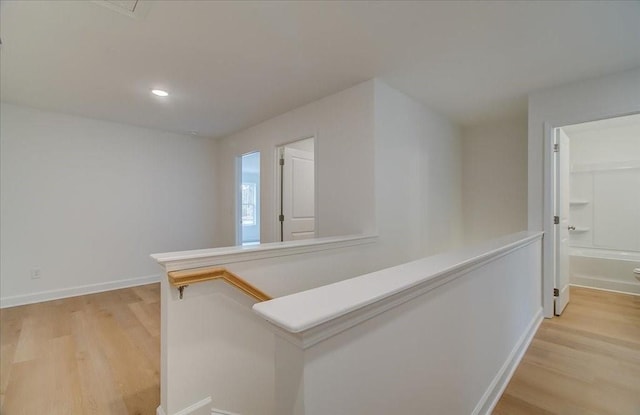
(229, 65)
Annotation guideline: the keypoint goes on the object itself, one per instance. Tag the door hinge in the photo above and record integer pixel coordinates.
(556, 220)
(281, 218)
(556, 292)
(282, 162)
(556, 148)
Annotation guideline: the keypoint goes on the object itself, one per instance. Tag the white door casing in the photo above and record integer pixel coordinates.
(298, 194)
(561, 237)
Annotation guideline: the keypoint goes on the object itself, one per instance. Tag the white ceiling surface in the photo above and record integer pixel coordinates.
(229, 65)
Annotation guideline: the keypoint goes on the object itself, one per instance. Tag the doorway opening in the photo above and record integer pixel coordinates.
(596, 207)
(248, 199)
(296, 190)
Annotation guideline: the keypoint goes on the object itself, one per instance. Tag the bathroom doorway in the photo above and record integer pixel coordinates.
(597, 206)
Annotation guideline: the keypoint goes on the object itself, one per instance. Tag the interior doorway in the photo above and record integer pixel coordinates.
(596, 206)
(248, 199)
(561, 205)
(296, 190)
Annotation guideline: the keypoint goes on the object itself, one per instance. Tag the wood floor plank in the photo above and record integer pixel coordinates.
(148, 293)
(98, 385)
(93, 354)
(100, 354)
(585, 362)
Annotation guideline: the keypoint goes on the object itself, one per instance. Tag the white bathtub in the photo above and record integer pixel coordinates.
(605, 269)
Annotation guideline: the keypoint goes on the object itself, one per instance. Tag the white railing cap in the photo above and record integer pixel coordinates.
(218, 256)
(305, 311)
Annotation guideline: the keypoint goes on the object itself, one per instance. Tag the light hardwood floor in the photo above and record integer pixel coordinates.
(93, 354)
(99, 354)
(585, 362)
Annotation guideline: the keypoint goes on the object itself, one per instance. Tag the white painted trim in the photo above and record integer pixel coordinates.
(608, 166)
(588, 252)
(194, 407)
(140, 11)
(173, 261)
(75, 291)
(548, 277)
(305, 320)
(604, 284)
(548, 242)
(499, 383)
(215, 411)
(561, 300)
(189, 409)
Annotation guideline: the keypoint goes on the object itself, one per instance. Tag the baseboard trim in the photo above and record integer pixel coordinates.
(189, 409)
(215, 411)
(590, 287)
(499, 383)
(42, 296)
(606, 284)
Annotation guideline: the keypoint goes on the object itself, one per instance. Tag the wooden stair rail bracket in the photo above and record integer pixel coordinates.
(181, 279)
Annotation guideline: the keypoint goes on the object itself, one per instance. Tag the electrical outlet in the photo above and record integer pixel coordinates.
(35, 273)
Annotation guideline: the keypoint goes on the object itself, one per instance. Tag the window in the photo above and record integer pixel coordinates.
(249, 199)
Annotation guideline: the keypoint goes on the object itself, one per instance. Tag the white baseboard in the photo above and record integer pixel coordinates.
(215, 411)
(191, 409)
(605, 289)
(499, 383)
(606, 284)
(75, 291)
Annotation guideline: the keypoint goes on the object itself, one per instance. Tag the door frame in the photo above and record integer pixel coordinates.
(548, 201)
(561, 192)
(276, 181)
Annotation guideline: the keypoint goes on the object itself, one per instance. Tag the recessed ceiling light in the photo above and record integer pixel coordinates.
(160, 92)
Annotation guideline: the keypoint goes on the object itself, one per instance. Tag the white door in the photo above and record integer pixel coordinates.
(562, 228)
(298, 195)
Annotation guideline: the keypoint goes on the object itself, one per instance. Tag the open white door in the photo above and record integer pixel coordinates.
(562, 169)
(298, 195)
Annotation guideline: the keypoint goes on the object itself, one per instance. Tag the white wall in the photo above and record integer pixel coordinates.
(451, 349)
(577, 102)
(418, 178)
(342, 125)
(385, 163)
(605, 176)
(413, 194)
(213, 345)
(87, 201)
(604, 97)
(494, 166)
(606, 141)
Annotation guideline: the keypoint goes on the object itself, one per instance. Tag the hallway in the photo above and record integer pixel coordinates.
(99, 354)
(585, 362)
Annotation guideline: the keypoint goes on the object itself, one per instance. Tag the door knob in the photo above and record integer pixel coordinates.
(572, 228)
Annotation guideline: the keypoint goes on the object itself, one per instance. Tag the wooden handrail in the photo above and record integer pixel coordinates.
(181, 279)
